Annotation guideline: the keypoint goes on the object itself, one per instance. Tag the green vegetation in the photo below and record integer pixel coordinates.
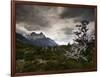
(30, 58)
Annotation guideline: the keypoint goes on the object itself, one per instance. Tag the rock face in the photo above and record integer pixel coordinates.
(34, 36)
(37, 40)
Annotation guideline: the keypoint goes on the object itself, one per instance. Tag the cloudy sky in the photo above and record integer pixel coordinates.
(56, 23)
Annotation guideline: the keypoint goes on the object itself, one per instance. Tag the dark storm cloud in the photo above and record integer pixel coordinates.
(78, 13)
(31, 16)
(37, 17)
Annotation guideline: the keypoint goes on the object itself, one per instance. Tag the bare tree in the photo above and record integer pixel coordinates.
(80, 43)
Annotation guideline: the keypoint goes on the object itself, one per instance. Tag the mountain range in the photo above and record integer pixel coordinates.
(36, 39)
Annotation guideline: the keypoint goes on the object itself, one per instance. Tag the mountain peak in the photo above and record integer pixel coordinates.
(36, 39)
(35, 35)
(41, 33)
